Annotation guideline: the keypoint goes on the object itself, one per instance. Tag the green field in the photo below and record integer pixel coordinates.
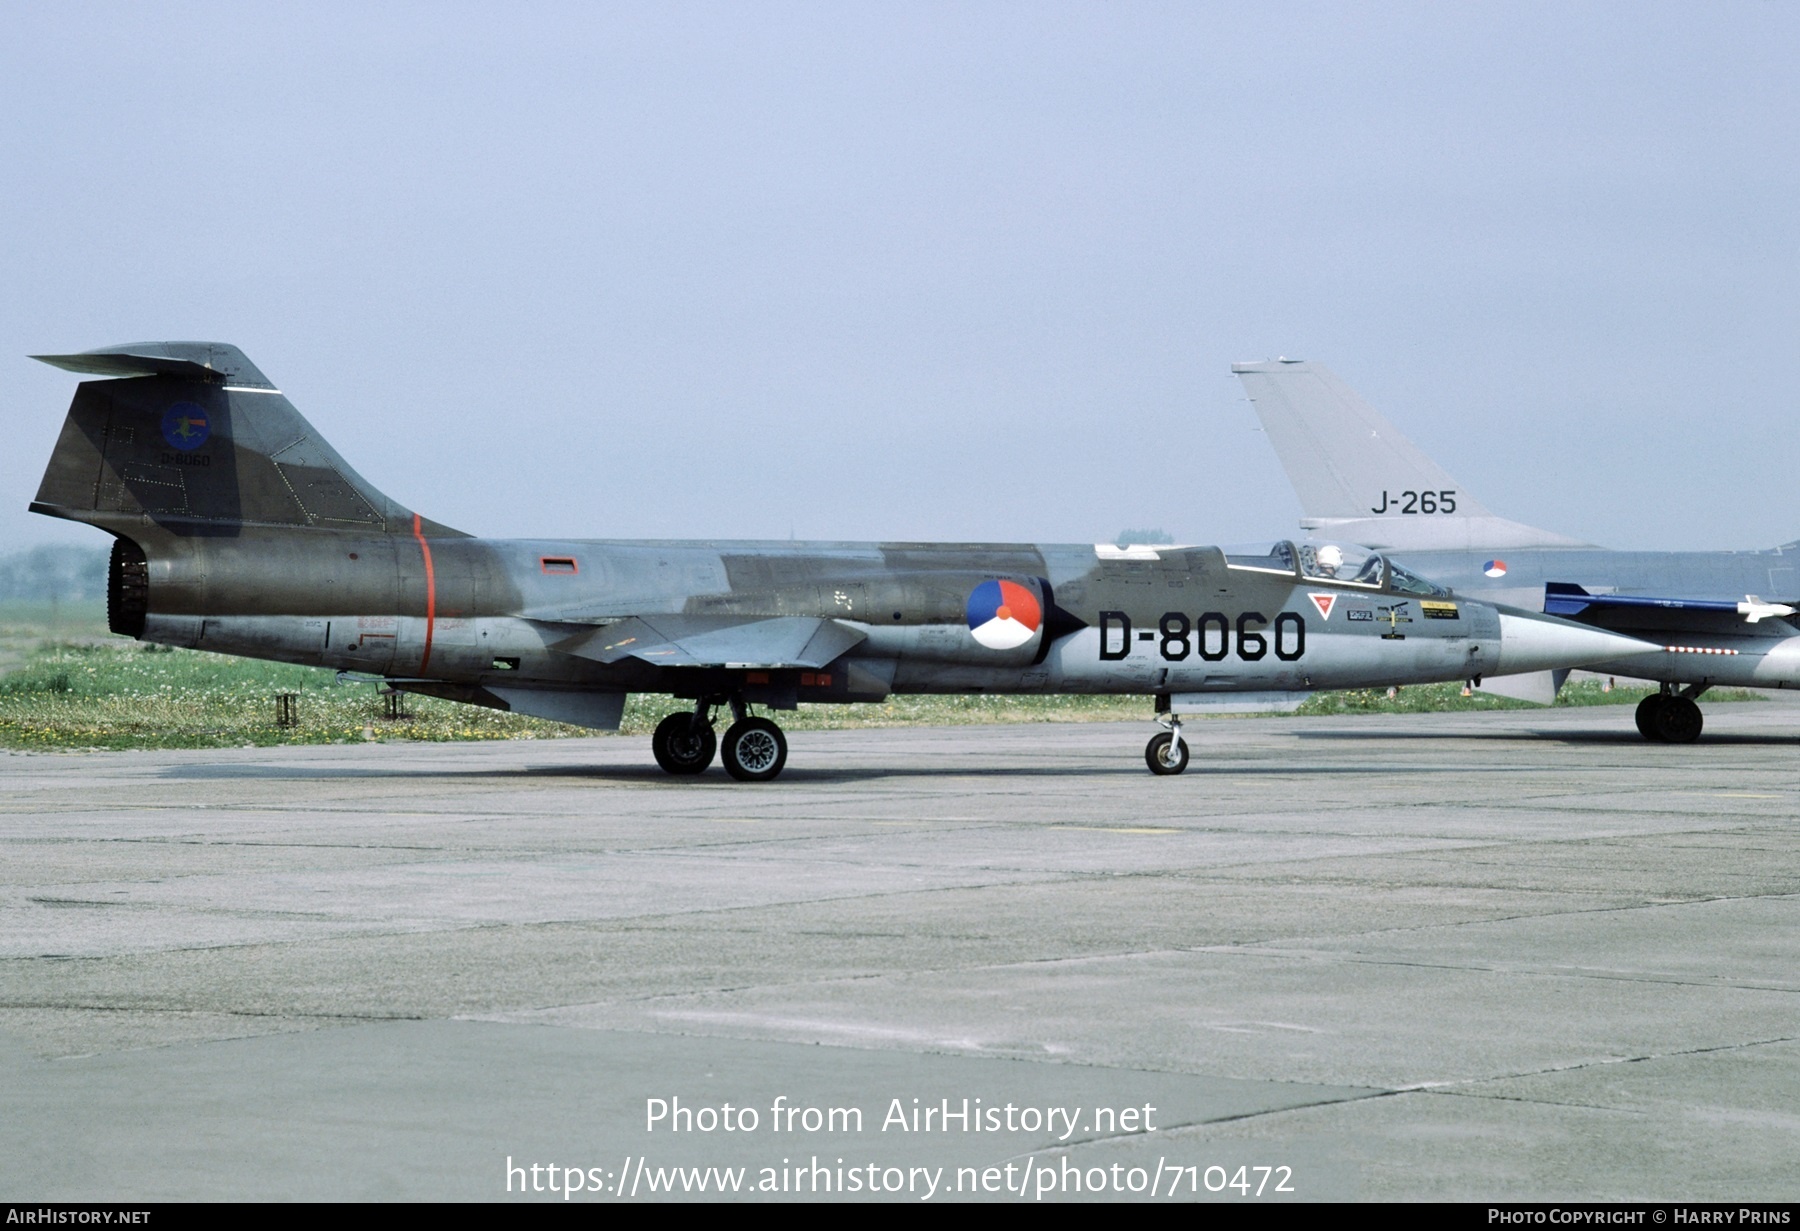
(66, 683)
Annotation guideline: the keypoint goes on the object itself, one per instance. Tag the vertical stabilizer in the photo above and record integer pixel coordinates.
(1359, 478)
(190, 437)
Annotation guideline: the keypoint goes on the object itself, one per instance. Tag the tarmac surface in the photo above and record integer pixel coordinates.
(1501, 956)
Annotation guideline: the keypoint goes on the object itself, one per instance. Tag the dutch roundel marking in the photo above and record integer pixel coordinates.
(1324, 602)
(1003, 615)
(1494, 568)
(185, 426)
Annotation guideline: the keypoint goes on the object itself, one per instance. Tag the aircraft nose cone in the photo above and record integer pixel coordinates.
(1544, 643)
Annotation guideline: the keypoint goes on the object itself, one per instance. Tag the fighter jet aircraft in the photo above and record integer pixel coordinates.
(1718, 617)
(237, 528)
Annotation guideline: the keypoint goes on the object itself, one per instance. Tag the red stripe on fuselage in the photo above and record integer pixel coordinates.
(430, 593)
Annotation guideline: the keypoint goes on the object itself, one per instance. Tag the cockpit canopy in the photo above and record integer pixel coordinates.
(1340, 563)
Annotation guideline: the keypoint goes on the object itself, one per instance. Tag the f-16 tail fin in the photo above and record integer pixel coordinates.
(1359, 478)
(196, 442)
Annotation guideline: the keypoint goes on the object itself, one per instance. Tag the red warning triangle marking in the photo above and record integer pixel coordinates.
(1324, 602)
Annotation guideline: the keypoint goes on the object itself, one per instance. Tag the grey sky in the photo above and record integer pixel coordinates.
(929, 271)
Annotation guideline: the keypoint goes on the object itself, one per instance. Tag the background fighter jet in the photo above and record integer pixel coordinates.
(238, 529)
(1718, 617)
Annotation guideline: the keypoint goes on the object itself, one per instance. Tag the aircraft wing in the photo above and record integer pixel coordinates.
(715, 641)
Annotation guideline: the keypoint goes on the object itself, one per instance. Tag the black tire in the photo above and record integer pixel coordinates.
(1157, 749)
(679, 749)
(1648, 711)
(1679, 721)
(754, 750)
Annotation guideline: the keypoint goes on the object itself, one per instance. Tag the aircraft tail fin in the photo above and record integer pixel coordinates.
(1358, 477)
(192, 438)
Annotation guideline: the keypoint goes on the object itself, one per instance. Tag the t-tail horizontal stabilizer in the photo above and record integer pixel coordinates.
(215, 363)
(1360, 479)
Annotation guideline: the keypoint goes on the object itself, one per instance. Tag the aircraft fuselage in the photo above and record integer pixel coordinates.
(536, 614)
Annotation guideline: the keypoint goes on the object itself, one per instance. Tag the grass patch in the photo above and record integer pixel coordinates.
(1415, 699)
(26, 628)
(121, 694)
(126, 695)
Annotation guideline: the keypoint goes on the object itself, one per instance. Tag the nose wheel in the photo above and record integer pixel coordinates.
(1167, 752)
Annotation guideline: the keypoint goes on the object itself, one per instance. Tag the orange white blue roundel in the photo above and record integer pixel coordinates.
(1003, 614)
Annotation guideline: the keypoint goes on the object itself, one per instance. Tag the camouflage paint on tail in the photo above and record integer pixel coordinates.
(200, 444)
(197, 446)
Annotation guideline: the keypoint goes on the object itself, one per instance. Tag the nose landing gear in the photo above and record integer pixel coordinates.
(1167, 752)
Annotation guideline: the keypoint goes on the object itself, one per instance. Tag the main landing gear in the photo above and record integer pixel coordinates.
(753, 750)
(1167, 752)
(1670, 717)
(684, 743)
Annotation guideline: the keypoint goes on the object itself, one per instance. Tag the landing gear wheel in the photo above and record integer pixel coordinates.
(1166, 753)
(754, 750)
(679, 748)
(1669, 719)
(1679, 721)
